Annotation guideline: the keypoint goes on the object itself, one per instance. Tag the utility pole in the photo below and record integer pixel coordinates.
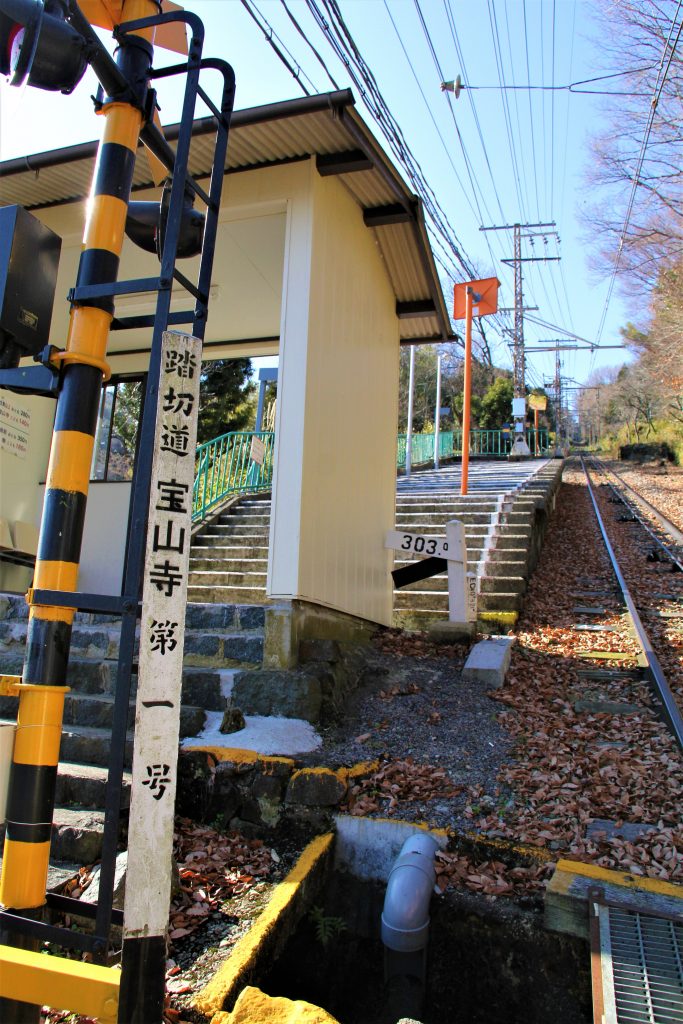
(520, 449)
(437, 411)
(409, 424)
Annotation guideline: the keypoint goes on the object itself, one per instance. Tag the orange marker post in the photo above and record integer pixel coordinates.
(466, 392)
(536, 432)
(470, 299)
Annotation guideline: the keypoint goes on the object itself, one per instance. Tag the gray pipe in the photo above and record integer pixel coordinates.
(405, 926)
(405, 917)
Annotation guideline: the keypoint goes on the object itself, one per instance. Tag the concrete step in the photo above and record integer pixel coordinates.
(507, 539)
(227, 594)
(221, 552)
(234, 565)
(453, 507)
(439, 516)
(504, 568)
(502, 585)
(225, 577)
(405, 600)
(234, 534)
(438, 527)
(505, 554)
(499, 602)
(523, 518)
(254, 519)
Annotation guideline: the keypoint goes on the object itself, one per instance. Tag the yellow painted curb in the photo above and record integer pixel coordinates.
(240, 756)
(357, 771)
(235, 970)
(507, 618)
(539, 853)
(255, 1007)
(624, 878)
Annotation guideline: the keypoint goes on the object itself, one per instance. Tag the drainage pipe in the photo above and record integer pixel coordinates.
(405, 917)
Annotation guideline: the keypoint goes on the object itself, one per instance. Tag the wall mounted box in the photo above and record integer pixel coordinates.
(29, 259)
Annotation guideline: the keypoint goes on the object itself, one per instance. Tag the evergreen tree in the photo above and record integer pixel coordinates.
(226, 398)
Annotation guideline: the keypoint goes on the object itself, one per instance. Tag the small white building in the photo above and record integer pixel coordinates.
(322, 258)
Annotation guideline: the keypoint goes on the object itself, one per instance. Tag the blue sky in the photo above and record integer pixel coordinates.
(518, 155)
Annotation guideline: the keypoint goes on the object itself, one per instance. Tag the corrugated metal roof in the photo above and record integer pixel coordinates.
(262, 136)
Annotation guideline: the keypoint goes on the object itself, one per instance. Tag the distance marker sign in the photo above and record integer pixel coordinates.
(421, 546)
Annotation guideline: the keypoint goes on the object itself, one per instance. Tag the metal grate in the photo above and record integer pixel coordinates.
(641, 967)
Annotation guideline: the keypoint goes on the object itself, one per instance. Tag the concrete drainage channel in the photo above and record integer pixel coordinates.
(319, 944)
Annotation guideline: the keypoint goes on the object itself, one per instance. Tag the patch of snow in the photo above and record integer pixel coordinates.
(263, 734)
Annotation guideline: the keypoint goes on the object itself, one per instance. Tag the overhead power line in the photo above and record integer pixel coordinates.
(571, 87)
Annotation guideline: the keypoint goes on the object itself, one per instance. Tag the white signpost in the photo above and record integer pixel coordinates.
(162, 632)
(462, 585)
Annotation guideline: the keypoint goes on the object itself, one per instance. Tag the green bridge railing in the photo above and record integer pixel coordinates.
(227, 465)
(483, 444)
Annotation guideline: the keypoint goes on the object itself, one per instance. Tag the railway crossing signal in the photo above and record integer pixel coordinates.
(39, 46)
(48, 44)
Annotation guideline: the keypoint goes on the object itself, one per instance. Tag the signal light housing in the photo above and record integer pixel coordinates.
(38, 45)
(146, 225)
(29, 260)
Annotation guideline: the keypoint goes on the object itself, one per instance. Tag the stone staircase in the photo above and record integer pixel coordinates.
(229, 556)
(220, 640)
(503, 535)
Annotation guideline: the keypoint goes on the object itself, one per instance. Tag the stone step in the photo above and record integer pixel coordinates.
(77, 835)
(200, 647)
(86, 744)
(83, 785)
(96, 711)
(201, 687)
(198, 615)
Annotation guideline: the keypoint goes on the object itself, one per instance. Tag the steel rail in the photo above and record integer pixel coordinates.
(655, 671)
(666, 524)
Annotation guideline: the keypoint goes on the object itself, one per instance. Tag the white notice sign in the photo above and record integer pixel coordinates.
(162, 634)
(258, 451)
(15, 424)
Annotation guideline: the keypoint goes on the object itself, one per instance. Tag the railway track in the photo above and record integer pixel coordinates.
(660, 528)
(636, 569)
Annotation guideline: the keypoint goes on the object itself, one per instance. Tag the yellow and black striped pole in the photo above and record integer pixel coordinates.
(39, 720)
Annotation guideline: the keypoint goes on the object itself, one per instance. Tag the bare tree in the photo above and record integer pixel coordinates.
(644, 143)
